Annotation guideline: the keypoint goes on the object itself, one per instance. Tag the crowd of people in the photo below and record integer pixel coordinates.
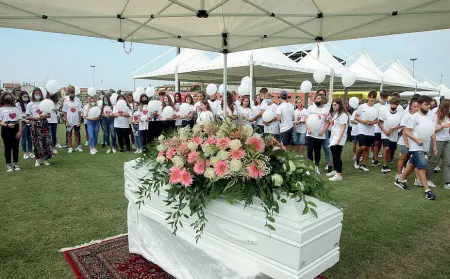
(23, 122)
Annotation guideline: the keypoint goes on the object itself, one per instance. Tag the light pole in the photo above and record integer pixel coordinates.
(441, 79)
(413, 60)
(93, 80)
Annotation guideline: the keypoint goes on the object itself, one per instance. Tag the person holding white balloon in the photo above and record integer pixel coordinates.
(144, 119)
(285, 116)
(271, 126)
(77, 100)
(135, 123)
(53, 120)
(389, 123)
(382, 104)
(257, 121)
(246, 112)
(27, 141)
(91, 115)
(72, 115)
(367, 117)
(187, 118)
(130, 103)
(107, 122)
(339, 126)
(167, 102)
(205, 115)
(11, 123)
(232, 110)
(121, 114)
(40, 129)
(417, 131)
(354, 104)
(326, 143)
(299, 133)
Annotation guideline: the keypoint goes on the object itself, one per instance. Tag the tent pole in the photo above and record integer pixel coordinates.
(225, 73)
(330, 93)
(177, 81)
(345, 96)
(381, 85)
(251, 78)
(134, 84)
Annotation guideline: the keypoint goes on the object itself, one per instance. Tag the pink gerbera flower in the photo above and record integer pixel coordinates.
(199, 167)
(183, 149)
(193, 156)
(237, 154)
(254, 171)
(170, 153)
(256, 142)
(174, 177)
(221, 168)
(210, 140)
(197, 140)
(223, 143)
(161, 153)
(185, 178)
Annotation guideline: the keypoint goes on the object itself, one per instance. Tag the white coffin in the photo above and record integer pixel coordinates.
(301, 247)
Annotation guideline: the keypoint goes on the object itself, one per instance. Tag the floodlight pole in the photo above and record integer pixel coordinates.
(413, 60)
(93, 79)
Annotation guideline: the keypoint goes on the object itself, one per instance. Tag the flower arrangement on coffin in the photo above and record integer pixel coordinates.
(220, 160)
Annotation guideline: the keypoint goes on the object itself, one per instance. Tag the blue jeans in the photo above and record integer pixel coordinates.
(137, 138)
(108, 131)
(299, 138)
(418, 159)
(326, 148)
(93, 127)
(54, 128)
(27, 141)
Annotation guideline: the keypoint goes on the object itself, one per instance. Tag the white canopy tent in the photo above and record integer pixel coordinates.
(226, 25)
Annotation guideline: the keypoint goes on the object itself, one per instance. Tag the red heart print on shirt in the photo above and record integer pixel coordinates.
(38, 111)
(136, 118)
(73, 110)
(145, 111)
(12, 116)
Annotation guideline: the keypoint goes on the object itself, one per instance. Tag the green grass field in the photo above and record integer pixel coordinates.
(388, 233)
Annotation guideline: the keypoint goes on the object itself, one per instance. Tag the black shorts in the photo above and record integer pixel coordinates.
(391, 144)
(75, 128)
(364, 140)
(377, 136)
(286, 137)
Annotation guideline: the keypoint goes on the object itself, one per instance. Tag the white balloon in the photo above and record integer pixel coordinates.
(246, 80)
(393, 122)
(140, 89)
(44, 91)
(168, 112)
(244, 89)
(348, 79)
(113, 98)
(185, 109)
(136, 96)
(92, 91)
(52, 86)
(306, 86)
(424, 130)
(46, 106)
(319, 76)
(100, 102)
(94, 112)
(77, 90)
(150, 91)
(447, 95)
(154, 105)
(268, 115)
(221, 89)
(313, 122)
(121, 105)
(354, 102)
(211, 89)
(371, 114)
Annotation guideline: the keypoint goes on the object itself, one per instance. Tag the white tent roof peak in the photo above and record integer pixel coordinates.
(397, 73)
(319, 58)
(249, 24)
(365, 67)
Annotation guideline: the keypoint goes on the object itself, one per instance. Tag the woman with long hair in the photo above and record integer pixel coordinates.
(93, 124)
(257, 121)
(144, 119)
(205, 114)
(167, 102)
(232, 111)
(53, 120)
(26, 140)
(339, 126)
(442, 119)
(40, 129)
(11, 123)
(299, 133)
(246, 112)
(188, 119)
(107, 122)
(122, 125)
(130, 103)
(72, 115)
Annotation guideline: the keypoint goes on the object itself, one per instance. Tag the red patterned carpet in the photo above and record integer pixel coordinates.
(110, 259)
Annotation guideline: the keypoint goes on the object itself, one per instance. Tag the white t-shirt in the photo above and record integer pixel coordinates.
(122, 121)
(286, 113)
(443, 134)
(229, 112)
(364, 129)
(405, 119)
(354, 125)
(23, 113)
(322, 113)
(205, 117)
(244, 115)
(143, 118)
(414, 121)
(272, 128)
(336, 122)
(256, 110)
(300, 115)
(53, 117)
(107, 110)
(33, 109)
(72, 109)
(386, 117)
(10, 114)
(76, 100)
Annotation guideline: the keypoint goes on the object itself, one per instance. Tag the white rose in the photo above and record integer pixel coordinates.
(160, 159)
(209, 173)
(277, 179)
(248, 131)
(160, 147)
(291, 166)
(235, 165)
(161, 138)
(178, 161)
(197, 129)
(208, 150)
(183, 137)
(192, 146)
(223, 155)
(235, 144)
(214, 160)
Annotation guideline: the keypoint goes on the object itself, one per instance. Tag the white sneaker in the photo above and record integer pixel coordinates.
(437, 168)
(356, 165)
(431, 184)
(380, 155)
(331, 174)
(92, 152)
(58, 145)
(26, 156)
(317, 170)
(417, 182)
(447, 186)
(95, 150)
(326, 167)
(55, 151)
(70, 150)
(45, 162)
(38, 163)
(86, 143)
(31, 155)
(16, 167)
(114, 150)
(133, 146)
(108, 150)
(397, 176)
(336, 178)
(9, 168)
(79, 149)
(362, 167)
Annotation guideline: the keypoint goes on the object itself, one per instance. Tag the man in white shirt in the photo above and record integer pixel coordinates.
(285, 115)
(270, 127)
(389, 133)
(366, 131)
(377, 145)
(418, 148)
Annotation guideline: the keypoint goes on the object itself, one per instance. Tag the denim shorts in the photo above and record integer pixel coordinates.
(354, 139)
(418, 159)
(299, 138)
(403, 149)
